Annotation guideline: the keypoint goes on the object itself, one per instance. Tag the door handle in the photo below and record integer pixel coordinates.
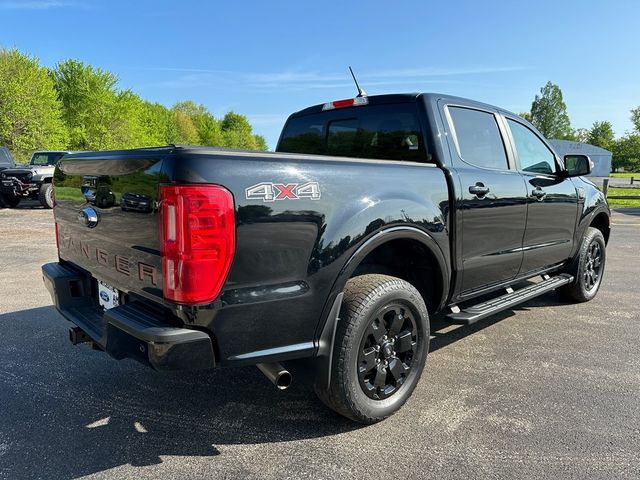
(538, 193)
(479, 190)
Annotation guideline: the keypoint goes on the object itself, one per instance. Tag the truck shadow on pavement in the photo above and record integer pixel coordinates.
(69, 411)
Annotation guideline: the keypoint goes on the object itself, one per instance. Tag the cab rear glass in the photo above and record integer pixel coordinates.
(386, 132)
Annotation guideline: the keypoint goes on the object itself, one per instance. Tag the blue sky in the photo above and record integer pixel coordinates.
(268, 59)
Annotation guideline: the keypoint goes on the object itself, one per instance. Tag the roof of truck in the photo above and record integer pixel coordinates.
(404, 98)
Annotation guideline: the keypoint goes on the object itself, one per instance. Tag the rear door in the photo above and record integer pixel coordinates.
(552, 200)
(490, 198)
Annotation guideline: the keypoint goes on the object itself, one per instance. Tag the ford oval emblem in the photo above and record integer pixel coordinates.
(88, 216)
(104, 296)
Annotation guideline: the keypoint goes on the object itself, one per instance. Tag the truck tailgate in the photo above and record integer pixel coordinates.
(107, 217)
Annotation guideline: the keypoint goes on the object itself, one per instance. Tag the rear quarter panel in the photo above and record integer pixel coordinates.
(290, 252)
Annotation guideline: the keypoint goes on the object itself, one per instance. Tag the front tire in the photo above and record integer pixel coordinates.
(587, 268)
(45, 195)
(380, 348)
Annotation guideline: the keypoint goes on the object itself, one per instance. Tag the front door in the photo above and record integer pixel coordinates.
(552, 201)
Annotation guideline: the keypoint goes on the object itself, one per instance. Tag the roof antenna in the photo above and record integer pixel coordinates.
(361, 92)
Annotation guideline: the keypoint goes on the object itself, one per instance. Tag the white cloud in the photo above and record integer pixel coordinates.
(297, 80)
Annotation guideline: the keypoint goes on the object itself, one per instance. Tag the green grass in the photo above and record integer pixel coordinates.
(69, 193)
(624, 191)
(75, 194)
(625, 175)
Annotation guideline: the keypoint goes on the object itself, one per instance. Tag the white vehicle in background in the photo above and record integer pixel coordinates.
(30, 181)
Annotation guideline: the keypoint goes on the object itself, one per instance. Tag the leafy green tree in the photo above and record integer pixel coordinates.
(261, 143)
(626, 153)
(549, 113)
(81, 107)
(30, 113)
(601, 134)
(525, 115)
(128, 121)
(209, 130)
(581, 135)
(635, 118)
(90, 105)
(237, 132)
(157, 123)
(184, 131)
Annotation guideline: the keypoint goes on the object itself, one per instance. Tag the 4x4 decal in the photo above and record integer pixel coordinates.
(269, 192)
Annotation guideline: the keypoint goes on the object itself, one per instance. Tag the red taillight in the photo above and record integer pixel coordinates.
(350, 102)
(57, 236)
(198, 241)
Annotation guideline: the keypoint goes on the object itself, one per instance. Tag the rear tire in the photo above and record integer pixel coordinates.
(380, 349)
(45, 195)
(587, 268)
(11, 201)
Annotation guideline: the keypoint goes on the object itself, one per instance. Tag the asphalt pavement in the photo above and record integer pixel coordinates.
(548, 390)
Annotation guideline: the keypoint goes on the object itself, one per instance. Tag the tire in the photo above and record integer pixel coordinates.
(11, 201)
(587, 268)
(45, 195)
(376, 305)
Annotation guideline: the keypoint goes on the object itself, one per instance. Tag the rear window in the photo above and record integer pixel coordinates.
(387, 132)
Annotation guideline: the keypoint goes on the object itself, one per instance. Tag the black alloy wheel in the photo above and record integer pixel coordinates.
(380, 348)
(593, 266)
(387, 351)
(587, 268)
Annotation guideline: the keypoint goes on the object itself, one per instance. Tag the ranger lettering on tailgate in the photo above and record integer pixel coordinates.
(119, 263)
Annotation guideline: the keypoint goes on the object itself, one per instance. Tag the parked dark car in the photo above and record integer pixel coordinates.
(6, 161)
(374, 215)
(136, 202)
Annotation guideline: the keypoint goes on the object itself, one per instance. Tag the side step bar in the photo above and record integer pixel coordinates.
(485, 309)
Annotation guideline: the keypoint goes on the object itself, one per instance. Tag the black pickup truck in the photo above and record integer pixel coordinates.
(375, 214)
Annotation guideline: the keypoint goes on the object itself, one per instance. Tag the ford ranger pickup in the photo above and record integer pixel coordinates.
(374, 215)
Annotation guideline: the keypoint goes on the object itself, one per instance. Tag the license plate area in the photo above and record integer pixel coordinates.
(108, 297)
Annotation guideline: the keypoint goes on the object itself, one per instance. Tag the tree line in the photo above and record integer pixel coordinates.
(76, 106)
(549, 115)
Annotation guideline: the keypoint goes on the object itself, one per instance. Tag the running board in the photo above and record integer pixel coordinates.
(482, 310)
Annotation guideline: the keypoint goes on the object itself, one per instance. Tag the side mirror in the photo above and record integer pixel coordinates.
(577, 165)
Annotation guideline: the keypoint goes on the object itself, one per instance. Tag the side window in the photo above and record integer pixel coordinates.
(478, 138)
(533, 154)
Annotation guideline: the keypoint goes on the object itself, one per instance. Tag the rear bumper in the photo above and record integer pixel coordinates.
(127, 331)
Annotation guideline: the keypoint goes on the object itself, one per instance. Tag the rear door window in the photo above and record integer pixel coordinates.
(387, 132)
(478, 138)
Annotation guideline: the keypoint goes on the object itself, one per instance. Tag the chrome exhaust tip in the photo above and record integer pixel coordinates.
(277, 374)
